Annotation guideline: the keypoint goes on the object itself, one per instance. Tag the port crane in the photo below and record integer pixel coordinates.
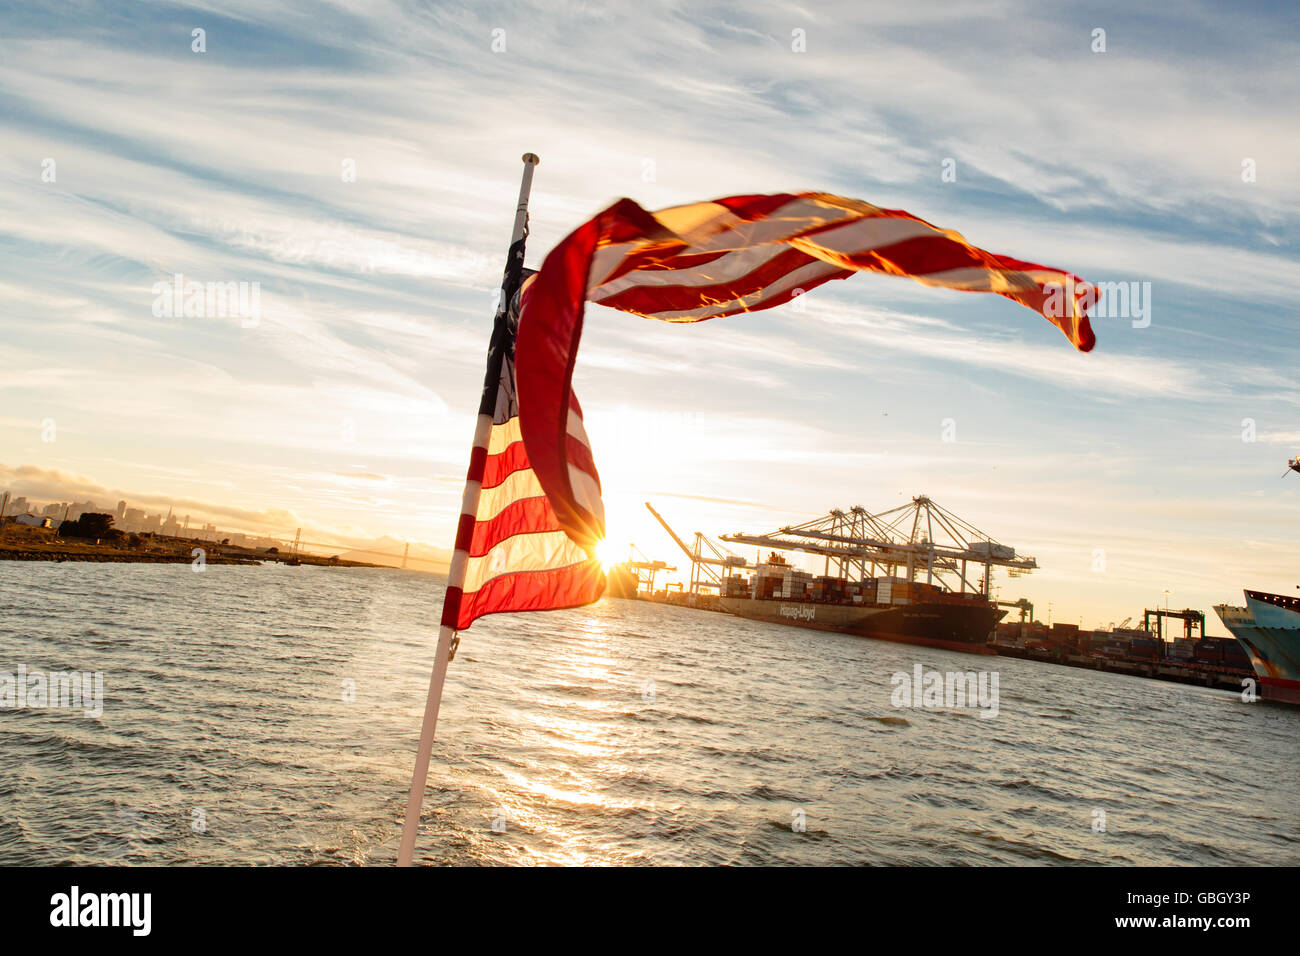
(708, 562)
(644, 571)
(1193, 621)
(920, 535)
(1023, 605)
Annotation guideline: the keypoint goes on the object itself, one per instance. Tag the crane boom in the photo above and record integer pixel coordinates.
(703, 566)
(725, 562)
(671, 533)
(918, 537)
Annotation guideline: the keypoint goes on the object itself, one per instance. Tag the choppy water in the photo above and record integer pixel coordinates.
(226, 738)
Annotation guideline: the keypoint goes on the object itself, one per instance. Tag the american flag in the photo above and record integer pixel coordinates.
(710, 259)
(531, 518)
(514, 553)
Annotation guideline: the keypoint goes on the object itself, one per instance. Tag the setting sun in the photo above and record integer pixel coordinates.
(608, 553)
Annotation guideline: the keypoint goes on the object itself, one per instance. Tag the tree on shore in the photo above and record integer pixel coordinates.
(90, 525)
(95, 525)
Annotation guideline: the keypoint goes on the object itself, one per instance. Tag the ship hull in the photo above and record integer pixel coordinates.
(1279, 690)
(1269, 629)
(956, 627)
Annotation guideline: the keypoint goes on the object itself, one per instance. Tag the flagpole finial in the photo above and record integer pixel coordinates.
(531, 159)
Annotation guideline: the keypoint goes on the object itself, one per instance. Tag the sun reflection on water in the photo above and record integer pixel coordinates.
(572, 719)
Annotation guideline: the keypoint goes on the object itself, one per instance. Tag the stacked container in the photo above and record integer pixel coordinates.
(1144, 649)
(793, 585)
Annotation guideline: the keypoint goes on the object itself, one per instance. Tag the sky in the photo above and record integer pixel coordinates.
(1170, 157)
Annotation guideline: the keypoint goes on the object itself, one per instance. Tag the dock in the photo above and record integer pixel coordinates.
(1221, 678)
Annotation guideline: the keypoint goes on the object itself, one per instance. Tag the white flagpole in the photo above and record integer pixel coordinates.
(455, 579)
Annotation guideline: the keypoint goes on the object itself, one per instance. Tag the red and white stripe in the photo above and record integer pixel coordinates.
(752, 252)
(511, 552)
(711, 259)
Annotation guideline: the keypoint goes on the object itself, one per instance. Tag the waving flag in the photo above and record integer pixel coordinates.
(532, 512)
(711, 259)
(516, 556)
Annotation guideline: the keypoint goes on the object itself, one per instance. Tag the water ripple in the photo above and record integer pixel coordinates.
(256, 715)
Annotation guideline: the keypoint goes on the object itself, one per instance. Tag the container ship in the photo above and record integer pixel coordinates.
(915, 574)
(880, 561)
(885, 608)
(1269, 628)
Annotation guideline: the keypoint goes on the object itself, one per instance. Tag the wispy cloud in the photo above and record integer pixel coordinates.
(350, 404)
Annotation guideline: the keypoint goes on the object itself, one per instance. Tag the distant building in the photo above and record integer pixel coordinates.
(79, 508)
(32, 521)
(121, 511)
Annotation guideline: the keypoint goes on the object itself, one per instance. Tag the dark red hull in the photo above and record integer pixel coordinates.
(958, 626)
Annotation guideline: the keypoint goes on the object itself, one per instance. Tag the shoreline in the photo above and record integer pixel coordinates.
(103, 554)
(110, 557)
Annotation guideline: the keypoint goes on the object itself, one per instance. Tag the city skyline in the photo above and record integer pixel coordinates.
(371, 233)
(139, 521)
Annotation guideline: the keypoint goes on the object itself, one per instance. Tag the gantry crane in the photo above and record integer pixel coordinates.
(903, 537)
(706, 568)
(1193, 621)
(1023, 605)
(642, 572)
